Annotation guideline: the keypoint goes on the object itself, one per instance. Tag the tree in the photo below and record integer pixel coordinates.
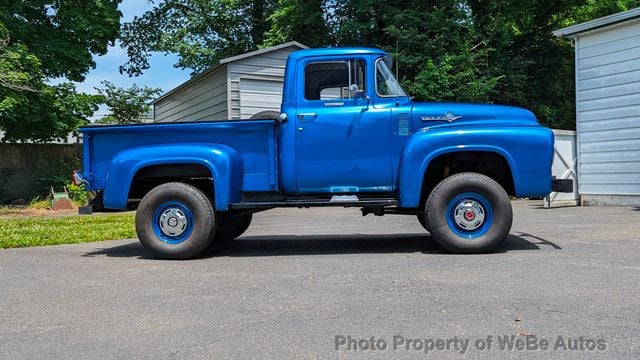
(440, 55)
(63, 34)
(19, 70)
(31, 110)
(536, 68)
(306, 21)
(52, 112)
(479, 51)
(201, 32)
(43, 40)
(126, 105)
(448, 50)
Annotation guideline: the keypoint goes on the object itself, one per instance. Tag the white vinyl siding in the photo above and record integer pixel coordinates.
(259, 95)
(268, 67)
(216, 94)
(202, 100)
(608, 110)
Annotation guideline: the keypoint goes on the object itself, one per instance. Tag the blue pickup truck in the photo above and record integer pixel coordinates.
(347, 135)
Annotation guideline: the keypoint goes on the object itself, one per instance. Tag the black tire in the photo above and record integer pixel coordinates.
(266, 115)
(183, 205)
(483, 210)
(422, 219)
(231, 226)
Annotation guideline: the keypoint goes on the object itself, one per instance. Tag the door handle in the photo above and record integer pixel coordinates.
(307, 115)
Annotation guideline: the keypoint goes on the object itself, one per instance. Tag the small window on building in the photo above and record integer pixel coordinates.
(334, 80)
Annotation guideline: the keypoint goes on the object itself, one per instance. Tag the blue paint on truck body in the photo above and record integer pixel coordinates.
(240, 156)
(369, 144)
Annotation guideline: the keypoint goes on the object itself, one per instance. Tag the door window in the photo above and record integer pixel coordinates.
(335, 80)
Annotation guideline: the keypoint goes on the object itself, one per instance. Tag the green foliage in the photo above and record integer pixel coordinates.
(475, 50)
(43, 40)
(5, 174)
(19, 69)
(57, 175)
(78, 194)
(40, 203)
(419, 30)
(537, 67)
(52, 112)
(200, 31)
(299, 20)
(62, 34)
(126, 105)
(455, 78)
(43, 231)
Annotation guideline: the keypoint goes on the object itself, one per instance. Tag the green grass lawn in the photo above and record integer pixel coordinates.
(41, 231)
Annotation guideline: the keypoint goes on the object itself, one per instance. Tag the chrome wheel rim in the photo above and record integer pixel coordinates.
(173, 222)
(469, 215)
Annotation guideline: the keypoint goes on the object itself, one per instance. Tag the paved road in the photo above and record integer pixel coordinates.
(299, 278)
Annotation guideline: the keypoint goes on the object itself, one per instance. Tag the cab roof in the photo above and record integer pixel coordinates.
(297, 55)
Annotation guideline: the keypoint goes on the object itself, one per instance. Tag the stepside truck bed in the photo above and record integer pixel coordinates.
(254, 141)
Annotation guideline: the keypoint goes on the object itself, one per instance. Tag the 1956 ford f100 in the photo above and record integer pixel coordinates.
(347, 135)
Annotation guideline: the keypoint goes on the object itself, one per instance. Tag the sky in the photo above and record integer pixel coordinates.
(161, 74)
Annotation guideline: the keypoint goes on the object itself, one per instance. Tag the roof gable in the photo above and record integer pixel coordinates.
(263, 51)
(226, 61)
(575, 30)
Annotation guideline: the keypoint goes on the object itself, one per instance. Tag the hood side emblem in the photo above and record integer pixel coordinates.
(448, 116)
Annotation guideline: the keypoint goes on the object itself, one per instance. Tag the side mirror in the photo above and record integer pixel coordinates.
(360, 94)
(353, 91)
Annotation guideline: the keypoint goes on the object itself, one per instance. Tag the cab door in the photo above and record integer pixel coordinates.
(343, 143)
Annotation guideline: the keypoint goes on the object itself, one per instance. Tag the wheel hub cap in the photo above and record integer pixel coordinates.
(469, 215)
(173, 222)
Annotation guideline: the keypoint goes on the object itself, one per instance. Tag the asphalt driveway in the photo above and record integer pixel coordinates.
(300, 283)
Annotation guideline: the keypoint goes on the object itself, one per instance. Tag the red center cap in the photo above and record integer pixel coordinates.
(469, 215)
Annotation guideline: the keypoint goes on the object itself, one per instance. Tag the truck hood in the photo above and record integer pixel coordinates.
(438, 114)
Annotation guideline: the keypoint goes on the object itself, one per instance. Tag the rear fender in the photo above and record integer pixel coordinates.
(224, 163)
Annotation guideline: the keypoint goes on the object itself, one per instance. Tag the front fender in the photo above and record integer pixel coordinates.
(224, 163)
(527, 150)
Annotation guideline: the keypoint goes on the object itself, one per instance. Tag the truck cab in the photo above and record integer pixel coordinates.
(347, 135)
(342, 137)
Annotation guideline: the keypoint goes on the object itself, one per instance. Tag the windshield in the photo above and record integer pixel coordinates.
(386, 83)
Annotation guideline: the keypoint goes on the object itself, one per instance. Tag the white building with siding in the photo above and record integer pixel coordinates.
(607, 57)
(235, 88)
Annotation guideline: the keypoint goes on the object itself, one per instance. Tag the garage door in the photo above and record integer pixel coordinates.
(259, 95)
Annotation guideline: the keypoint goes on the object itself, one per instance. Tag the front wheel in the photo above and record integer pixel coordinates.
(175, 221)
(469, 213)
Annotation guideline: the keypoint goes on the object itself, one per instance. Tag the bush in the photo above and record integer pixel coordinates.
(78, 194)
(5, 174)
(40, 203)
(56, 175)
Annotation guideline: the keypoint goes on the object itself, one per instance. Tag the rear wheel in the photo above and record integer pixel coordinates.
(422, 219)
(232, 226)
(469, 213)
(175, 221)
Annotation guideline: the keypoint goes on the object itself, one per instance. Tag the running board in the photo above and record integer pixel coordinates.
(342, 201)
